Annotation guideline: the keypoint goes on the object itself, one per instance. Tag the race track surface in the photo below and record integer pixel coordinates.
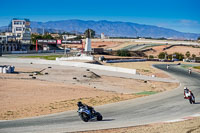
(152, 109)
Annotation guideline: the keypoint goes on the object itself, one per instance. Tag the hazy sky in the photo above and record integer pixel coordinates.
(181, 15)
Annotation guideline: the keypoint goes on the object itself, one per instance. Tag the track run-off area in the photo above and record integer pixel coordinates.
(161, 107)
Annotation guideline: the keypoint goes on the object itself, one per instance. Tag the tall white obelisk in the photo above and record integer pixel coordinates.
(88, 48)
(88, 45)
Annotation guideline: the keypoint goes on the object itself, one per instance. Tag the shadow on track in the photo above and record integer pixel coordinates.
(103, 120)
(108, 119)
(197, 103)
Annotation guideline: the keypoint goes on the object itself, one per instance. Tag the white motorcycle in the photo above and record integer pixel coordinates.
(190, 71)
(190, 97)
(167, 66)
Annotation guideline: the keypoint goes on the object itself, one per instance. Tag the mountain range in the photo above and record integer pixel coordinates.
(109, 28)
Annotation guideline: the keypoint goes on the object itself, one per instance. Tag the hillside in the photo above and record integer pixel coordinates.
(109, 28)
(115, 29)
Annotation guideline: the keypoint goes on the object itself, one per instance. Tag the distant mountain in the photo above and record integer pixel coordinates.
(4, 29)
(113, 29)
(41, 30)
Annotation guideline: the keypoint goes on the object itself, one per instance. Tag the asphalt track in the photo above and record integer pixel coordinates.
(160, 107)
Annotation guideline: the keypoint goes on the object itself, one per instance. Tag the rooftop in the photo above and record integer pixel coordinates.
(27, 20)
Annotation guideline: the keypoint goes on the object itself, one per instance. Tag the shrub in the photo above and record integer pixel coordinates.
(178, 56)
(162, 55)
(151, 57)
(187, 54)
(123, 53)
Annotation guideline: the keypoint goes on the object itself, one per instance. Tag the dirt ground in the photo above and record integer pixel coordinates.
(114, 45)
(99, 44)
(188, 126)
(58, 89)
(180, 49)
(144, 68)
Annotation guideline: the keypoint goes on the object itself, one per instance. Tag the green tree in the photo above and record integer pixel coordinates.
(47, 36)
(198, 38)
(89, 33)
(179, 56)
(123, 53)
(162, 55)
(193, 56)
(187, 54)
(34, 37)
(151, 57)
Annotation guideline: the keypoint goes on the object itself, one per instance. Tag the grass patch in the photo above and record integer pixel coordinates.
(186, 66)
(46, 57)
(146, 71)
(196, 67)
(146, 93)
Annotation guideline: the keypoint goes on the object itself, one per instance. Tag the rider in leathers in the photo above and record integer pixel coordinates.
(186, 90)
(80, 104)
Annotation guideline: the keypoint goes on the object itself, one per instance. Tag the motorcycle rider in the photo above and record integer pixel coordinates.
(186, 91)
(189, 71)
(167, 66)
(81, 105)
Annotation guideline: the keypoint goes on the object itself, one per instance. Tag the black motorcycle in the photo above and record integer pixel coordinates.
(86, 114)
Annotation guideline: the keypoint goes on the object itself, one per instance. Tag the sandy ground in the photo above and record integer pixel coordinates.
(144, 68)
(188, 126)
(60, 88)
(114, 45)
(99, 44)
(180, 49)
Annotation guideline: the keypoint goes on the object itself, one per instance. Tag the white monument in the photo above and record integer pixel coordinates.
(88, 45)
(84, 56)
(88, 48)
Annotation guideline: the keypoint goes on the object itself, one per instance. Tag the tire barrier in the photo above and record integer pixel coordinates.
(7, 69)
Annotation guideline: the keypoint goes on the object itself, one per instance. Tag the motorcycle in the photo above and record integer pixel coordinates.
(190, 97)
(167, 66)
(190, 71)
(86, 114)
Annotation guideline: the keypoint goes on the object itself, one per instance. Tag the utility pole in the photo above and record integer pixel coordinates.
(43, 31)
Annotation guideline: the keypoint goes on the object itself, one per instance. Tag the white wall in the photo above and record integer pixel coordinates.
(74, 64)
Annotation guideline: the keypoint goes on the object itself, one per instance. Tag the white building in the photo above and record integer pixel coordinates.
(21, 29)
(18, 37)
(103, 36)
(3, 39)
(67, 37)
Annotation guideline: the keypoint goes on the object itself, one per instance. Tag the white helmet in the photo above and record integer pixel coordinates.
(185, 87)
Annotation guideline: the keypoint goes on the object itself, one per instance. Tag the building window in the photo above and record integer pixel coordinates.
(18, 34)
(15, 22)
(18, 22)
(18, 29)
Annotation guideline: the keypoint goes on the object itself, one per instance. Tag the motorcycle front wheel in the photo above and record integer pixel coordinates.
(99, 116)
(190, 100)
(84, 117)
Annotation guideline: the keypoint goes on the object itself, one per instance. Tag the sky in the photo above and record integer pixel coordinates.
(180, 15)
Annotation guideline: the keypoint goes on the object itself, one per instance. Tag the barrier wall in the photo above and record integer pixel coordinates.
(126, 60)
(89, 58)
(72, 64)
